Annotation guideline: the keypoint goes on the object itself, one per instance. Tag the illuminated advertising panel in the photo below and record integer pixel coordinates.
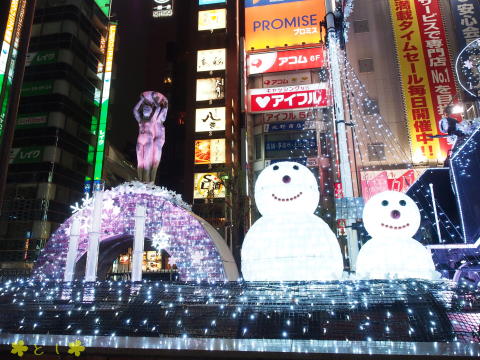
(162, 8)
(208, 185)
(209, 151)
(298, 78)
(210, 119)
(104, 5)
(211, 60)
(278, 23)
(210, 89)
(286, 60)
(8, 55)
(281, 116)
(102, 124)
(288, 97)
(208, 2)
(212, 19)
(374, 182)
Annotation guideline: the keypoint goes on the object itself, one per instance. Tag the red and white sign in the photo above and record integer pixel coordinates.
(374, 182)
(310, 114)
(297, 78)
(288, 97)
(286, 60)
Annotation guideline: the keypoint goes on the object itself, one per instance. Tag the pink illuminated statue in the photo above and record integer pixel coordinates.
(150, 112)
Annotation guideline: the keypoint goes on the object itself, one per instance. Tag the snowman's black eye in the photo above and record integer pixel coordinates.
(275, 167)
(384, 202)
(295, 167)
(402, 202)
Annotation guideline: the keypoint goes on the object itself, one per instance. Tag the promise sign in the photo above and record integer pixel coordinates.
(427, 81)
(278, 23)
(288, 98)
(275, 61)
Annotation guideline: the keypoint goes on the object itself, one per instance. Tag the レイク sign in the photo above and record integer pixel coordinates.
(286, 60)
(288, 97)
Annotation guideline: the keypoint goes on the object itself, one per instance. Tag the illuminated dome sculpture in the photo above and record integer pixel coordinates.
(289, 242)
(195, 247)
(392, 218)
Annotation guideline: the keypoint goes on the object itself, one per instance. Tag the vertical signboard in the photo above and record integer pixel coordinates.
(102, 124)
(277, 23)
(8, 55)
(420, 46)
(466, 14)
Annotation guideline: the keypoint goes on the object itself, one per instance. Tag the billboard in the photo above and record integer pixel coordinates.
(374, 182)
(209, 151)
(41, 57)
(31, 121)
(26, 155)
(210, 89)
(210, 119)
(277, 23)
(427, 78)
(298, 78)
(275, 61)
(212, 19)
(288, 97)
(208, 185)
(211, 60)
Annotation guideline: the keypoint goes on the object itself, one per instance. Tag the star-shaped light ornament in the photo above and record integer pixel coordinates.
(468, 64)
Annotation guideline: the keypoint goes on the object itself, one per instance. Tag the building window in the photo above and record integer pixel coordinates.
(370, 107)
(258, 147)
(376, 152)
(360, 26)
(365, 65)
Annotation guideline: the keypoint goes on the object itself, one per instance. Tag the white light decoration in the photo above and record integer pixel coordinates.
(392, 218)
(289, 243)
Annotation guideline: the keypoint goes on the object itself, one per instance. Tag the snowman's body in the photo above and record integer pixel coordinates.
(392, 218)
(289, 243)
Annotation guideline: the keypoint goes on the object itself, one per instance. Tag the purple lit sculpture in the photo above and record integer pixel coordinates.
(195, 247)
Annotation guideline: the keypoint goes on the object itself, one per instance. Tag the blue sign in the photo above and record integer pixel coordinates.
(252, 3)
(291, 144)
(285, 126)
(208, 2)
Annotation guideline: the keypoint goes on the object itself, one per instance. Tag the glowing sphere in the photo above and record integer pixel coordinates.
(289, 243)
(392, 218)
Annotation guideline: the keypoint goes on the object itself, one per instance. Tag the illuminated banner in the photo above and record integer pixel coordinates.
(26, 155)
(421, 119)
(208, 2)
(278, 23)
(209, 151)
(282, 145)
(212, 19)
(290, 116)
(32, 121)
(210, 89)
(208, 185)
(211, 60)
(210, 119)
(289, 126)
(162, 8)
(286, 60)
(41, 57)
(439, 68)
(298, 78)
(102, 124)
(104, 5)
(289, 97)
(374, 182)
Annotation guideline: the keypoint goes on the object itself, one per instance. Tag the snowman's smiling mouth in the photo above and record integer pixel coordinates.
(287, 199)
(396, 227)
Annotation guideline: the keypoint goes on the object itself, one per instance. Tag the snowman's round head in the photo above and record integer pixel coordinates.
(391, 214)
(286, 187)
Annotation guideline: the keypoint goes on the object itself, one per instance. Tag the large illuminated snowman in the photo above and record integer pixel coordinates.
(392, 218)
(289, 242)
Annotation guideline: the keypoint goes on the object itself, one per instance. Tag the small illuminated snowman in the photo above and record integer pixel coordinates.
(289, 242)
(392, 218)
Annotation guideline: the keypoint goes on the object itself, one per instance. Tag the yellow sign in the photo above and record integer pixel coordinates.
(415, 85)
(11, 21)
(212, 19)
(279, 23)
(208, 185)
(110, 47)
